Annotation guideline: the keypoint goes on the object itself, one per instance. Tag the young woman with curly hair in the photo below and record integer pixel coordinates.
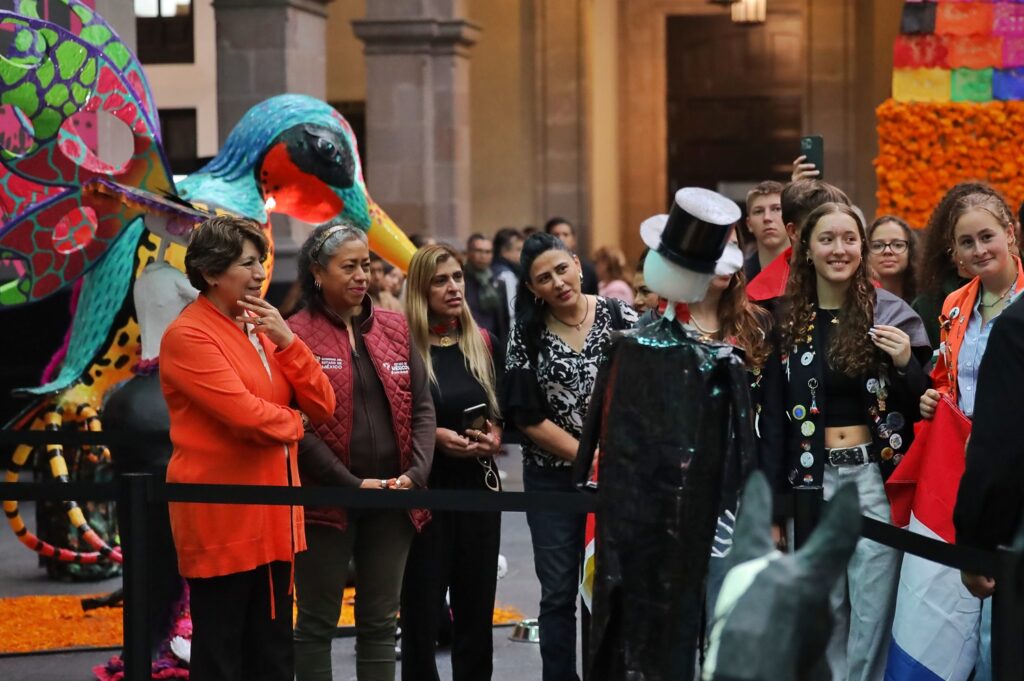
(939, 274)
(841, 404)
(893, 251)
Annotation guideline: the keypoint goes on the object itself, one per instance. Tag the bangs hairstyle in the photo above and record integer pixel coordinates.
(218, 242)
(478, 358)
(849, 350)
(318, 249)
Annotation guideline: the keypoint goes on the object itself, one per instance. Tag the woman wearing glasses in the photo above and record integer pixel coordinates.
(892, 255)
(458, 551)
(981, 233)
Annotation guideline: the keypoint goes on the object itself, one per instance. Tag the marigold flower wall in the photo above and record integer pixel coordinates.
(925, 148)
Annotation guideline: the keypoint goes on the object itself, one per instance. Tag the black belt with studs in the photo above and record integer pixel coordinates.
(852, 456)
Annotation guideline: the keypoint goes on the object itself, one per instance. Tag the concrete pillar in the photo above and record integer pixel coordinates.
(560, 53)
(417, 113)
(267, 48)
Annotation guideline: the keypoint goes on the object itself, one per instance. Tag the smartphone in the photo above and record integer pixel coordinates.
(813, 147)
(474, 418)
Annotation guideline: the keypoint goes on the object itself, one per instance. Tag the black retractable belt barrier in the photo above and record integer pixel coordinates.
(1008, 618)
(136, 493)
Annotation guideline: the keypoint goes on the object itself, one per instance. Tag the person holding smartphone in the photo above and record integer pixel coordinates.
(458, 551)
(380, 437)
(841, 408)
(560, 338)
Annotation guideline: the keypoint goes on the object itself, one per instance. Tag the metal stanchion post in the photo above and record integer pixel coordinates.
(1008, 618)
(807, 504)
(136, 494)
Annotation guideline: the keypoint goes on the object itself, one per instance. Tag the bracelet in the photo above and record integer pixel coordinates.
(383, 484)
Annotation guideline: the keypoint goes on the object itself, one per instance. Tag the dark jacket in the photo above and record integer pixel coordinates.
(495, 321)
(890, 399)
(989, 506)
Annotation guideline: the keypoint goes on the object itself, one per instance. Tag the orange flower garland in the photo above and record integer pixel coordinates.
(926, 148)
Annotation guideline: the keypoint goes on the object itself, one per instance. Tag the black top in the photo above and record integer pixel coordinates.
(455, 390)
(842, 392)
(589, 284)
(989, 505)
(752, 266)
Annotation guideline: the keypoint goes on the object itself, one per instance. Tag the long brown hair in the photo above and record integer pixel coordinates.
(478, 358)
(743, 322)
(849, 351)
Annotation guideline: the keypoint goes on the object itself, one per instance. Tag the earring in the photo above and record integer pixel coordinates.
(537, 300)
(581, 276)
(316, 282)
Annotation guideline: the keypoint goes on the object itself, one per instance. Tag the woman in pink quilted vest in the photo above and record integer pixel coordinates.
(380, 437)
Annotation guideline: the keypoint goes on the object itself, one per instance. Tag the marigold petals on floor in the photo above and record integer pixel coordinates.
(35, 623)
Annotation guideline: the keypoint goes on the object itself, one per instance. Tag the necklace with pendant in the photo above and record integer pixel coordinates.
(447, 333)
(575, 325)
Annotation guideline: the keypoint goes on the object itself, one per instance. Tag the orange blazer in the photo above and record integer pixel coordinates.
(956, 314)
(231, 423)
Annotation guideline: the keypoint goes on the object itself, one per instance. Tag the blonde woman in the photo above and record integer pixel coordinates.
(458, 551)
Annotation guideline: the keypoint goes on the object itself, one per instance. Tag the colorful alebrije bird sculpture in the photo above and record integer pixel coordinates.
(70, 219)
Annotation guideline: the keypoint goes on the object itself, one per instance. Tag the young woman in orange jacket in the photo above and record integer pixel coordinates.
(981, 232)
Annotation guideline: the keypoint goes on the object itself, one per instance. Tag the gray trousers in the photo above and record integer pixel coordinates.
(378, 542)
(864, 599)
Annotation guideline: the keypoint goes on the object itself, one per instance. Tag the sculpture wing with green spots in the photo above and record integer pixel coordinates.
(55, 232)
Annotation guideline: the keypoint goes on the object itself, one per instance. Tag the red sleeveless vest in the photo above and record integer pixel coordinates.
(386, 337)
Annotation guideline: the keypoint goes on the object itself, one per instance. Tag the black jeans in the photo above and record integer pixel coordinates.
(233, 635)
(557, 547)
(456, 551)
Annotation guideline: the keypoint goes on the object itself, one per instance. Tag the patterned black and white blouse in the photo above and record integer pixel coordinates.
(557, 384)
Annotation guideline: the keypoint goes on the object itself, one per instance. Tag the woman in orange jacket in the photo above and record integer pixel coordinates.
(981, 233)
(229, 369)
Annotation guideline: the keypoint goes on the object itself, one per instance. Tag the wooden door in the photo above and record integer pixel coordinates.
(734, 98)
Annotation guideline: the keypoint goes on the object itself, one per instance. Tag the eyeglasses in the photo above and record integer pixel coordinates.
(490, 473)
(897, 246)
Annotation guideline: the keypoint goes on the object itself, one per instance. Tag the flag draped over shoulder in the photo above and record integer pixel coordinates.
(935, 630)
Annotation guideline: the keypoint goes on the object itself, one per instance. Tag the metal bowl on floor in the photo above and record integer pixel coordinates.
(527, 631)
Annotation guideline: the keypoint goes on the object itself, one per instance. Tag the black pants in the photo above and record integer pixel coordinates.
(233, 635)
(456, 551)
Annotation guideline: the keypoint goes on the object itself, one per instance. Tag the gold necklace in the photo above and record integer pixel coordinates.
(447, 340)
(707, 333)
(578, 325)
(1000, 298)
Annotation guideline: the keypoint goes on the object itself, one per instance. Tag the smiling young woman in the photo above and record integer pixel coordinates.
(983, 242)
(892, 255)
(849, 387)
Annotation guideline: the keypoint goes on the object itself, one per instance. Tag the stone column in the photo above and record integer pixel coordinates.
(417, 113)
(562, 167)
(267, 48)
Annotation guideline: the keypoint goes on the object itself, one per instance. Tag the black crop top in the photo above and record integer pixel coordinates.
(844, 405)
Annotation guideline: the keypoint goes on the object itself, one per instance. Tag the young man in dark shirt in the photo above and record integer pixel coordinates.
(764, 220)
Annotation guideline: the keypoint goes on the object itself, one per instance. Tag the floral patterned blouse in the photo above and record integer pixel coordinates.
(557, 383)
